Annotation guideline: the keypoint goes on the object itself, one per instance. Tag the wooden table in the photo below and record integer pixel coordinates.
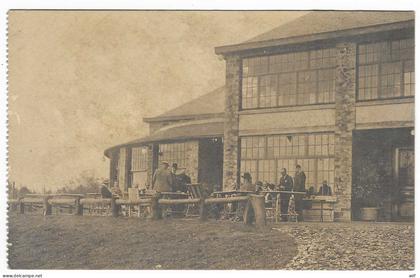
(222, 194)
(228, 209)
(277, 193)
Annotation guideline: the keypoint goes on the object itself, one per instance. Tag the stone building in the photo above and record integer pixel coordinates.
(331, 91)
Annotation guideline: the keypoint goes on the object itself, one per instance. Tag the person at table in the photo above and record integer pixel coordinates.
(299, 186)
(325, 189)
(162, 178)
(286, 184)
(247, 184)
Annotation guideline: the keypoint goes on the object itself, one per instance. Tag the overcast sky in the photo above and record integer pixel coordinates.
(80, 82)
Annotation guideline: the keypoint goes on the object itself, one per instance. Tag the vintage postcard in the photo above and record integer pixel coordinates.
(204, 140)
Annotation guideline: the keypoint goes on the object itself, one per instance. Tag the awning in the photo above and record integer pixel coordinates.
(177, 133)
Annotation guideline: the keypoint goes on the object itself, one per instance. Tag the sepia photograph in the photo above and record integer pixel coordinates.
(211, 140)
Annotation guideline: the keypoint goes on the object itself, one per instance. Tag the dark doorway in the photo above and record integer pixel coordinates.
(383, 173)
(210, 162)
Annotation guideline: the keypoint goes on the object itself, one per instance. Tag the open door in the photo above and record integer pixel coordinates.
(404, 174)
(210, 162)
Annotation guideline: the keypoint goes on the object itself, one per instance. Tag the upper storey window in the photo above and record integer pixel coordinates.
(298, 78)
(386, 69)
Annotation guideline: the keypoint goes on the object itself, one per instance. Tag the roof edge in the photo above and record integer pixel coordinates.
(234, 48)
(180, 117)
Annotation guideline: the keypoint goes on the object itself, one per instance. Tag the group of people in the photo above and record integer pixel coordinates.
(166, 179)
(286, 183)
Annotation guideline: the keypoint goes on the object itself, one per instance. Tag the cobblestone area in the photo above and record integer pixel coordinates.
(352, 246)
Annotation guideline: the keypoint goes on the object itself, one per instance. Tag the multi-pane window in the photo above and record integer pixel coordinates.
(173, 153)
(298, 78)
(139, 159)
(264, 156)
(386, 69)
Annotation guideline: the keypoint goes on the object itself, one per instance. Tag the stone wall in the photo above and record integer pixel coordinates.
(345, 122)
(231, 129)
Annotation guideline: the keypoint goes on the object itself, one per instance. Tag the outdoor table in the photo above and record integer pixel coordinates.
(224, 194)
(320, 208)
(231, 193)
(173, 195)
(277, 193)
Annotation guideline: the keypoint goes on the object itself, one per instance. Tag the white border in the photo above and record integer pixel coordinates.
(5, 5)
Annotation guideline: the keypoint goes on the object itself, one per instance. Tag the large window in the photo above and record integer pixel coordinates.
(139, 159)
(298, 78)
(386, 69)
(264, 156)
(173, 153)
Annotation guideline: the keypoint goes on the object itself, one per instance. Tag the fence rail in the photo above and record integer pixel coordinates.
(79, 204)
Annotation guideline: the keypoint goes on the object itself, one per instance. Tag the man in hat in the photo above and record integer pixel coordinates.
(299, 186)
(286, 184)
(247, 184)
(162, 179)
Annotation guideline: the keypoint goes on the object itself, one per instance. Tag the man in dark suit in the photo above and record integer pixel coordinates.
(325, 189)
(299, 186)
(286, 184)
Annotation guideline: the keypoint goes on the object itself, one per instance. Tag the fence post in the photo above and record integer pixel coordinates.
(115, 208)
(155, 208)
(203, 209)
(47, 206)
(78, 207)
(21, 206)
(257, 202)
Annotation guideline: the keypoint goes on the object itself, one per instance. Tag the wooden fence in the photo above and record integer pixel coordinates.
(80, 205)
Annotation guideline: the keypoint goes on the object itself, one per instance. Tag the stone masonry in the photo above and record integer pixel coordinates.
(345, 121)
(231, 128)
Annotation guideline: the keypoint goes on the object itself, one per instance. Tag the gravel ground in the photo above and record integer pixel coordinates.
(71, 242)
(352, 246)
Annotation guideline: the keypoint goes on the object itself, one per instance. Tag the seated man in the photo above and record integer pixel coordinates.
(325, 189)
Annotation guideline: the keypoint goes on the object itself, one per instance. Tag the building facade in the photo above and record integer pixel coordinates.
(330, 91)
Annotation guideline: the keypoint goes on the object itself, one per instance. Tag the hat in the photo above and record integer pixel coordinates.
(247, 175)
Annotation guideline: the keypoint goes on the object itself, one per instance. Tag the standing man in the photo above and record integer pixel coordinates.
(162, 179)
(299, 185)
(286, 184)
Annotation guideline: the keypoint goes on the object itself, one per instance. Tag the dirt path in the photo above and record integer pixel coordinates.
(71, 242)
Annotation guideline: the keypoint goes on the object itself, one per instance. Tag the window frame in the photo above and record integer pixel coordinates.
(379, 64)
(297, 70)
(268, 156)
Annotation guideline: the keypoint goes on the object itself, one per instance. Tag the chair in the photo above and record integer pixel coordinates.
(195, 191)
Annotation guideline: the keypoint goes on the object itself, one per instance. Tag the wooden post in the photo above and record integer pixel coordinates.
(248, 213)
(257, 202)
(79, 207)
(115, 208)
(156, 211)
(203, 209)
(47, 206)
(21, 206)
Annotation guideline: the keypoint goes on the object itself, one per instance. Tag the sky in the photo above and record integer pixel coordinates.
(82, 81)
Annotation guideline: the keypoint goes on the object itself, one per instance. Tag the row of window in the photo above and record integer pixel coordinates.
(385, 70)
(264, 156)
(139, 159)
(289, 62)
(285, 146)
(316, 170)
(173, 153)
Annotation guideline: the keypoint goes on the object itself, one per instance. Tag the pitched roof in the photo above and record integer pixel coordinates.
(207, 104)
(321, 22)
(189, 131)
